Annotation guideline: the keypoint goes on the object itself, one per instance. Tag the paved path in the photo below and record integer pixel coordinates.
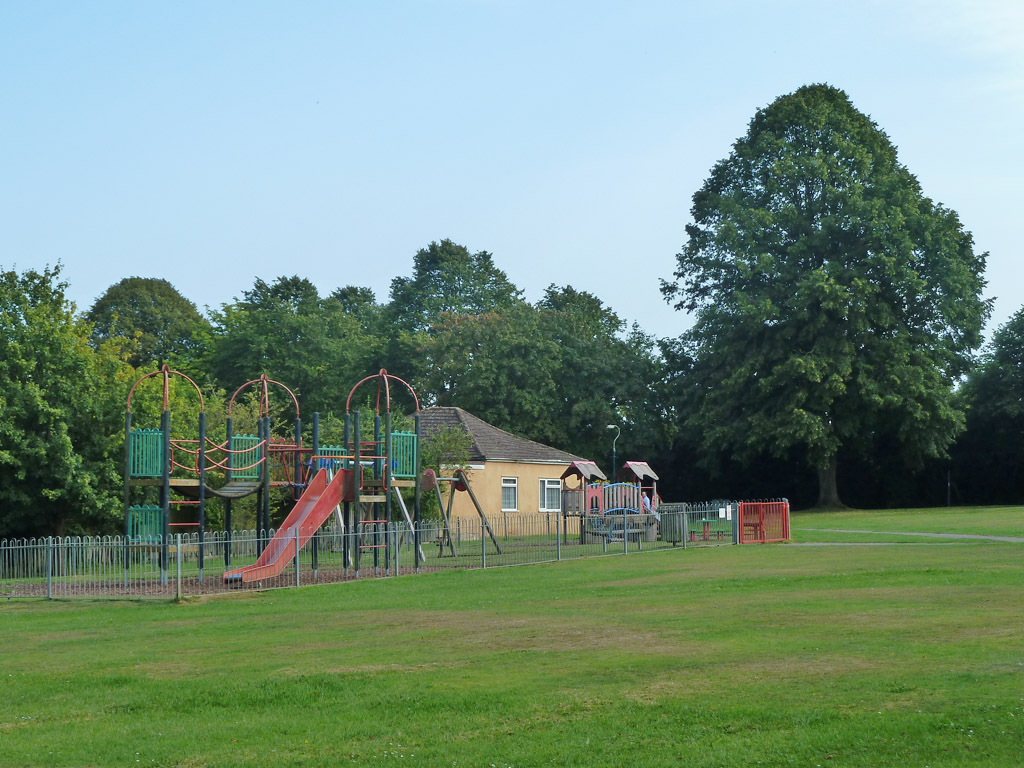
(1012, 539)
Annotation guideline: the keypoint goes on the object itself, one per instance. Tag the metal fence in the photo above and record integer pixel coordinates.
(119, 567)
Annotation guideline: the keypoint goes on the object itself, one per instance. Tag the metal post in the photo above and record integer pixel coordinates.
(177, 558)
(625, 536)
(260, 491)
(314, 550)
(417, 500)
(483, 545)
(735, 509)
(618, 432)
(295, 536)
(227, 502)
(202, 491)
(388, 447)
(347, 506)
(297, 460)
(357, 470)
(378, 476)
(378, 464)
(165, 495)
(558, 541)
(266, 481)
(49, 567)
(314, 553)
(127, 488)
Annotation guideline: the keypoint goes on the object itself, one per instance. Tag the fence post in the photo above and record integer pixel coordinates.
(686, 532)
(394, 544)
(735, 522)
(558, 538)
(295, 534)
(625, 536)
(483, 546)
(49, 567)
(177, 559)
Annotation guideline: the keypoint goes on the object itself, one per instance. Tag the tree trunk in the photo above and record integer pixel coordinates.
(828, 489)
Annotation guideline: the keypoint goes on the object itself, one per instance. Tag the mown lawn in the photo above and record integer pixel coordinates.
(983, 521)
(756, 655)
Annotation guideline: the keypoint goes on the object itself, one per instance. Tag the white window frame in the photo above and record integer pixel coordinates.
(546, 484)
(513, 483)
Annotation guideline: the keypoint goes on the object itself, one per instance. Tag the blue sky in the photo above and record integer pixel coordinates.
(214, 143)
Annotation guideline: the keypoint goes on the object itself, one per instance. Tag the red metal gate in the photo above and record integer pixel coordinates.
(763, 521)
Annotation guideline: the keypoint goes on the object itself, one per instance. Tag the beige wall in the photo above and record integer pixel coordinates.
(486, 484)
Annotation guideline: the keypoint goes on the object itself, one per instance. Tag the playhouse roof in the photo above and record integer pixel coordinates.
(587, 470)
(489, 442)
(641, 470)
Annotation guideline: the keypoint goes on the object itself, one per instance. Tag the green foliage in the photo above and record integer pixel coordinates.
(557, 373)
(61, 413)
(834, 301)
(445, 451)
(447, 278)
(607, 374)
(987, 458)
(357, 300)
(284, 329)
(471, 366)
(164, 326)
(996, 386)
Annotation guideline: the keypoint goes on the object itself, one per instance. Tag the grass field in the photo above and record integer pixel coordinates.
(983, 521)
(756, 655)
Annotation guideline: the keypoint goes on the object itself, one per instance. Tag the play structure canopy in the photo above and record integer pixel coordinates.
(638, 471)
(587, 471)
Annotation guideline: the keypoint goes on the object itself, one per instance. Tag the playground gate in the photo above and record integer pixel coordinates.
(763, 521)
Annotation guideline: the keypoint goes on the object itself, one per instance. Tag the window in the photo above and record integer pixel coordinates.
(509, 494)
(550, 495)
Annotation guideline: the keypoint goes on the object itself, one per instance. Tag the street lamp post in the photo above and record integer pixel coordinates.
(614, 440)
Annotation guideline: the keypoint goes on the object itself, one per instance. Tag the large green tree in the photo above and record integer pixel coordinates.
(559, 372)
(833, 300)
(286, 330)
(447, 280)
(164, 326)
(500, 366)
(61, 413)
(988, 456)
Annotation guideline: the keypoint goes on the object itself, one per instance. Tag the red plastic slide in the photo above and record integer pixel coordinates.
(312, 509)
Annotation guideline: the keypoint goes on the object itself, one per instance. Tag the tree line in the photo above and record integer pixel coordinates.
(838, 319)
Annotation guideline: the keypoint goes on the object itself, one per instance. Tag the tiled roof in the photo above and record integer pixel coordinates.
(489, 442)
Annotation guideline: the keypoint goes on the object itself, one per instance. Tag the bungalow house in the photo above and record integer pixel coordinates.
(508, 473)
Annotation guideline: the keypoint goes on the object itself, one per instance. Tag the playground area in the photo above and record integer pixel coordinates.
(115, 567)
(354, 508)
